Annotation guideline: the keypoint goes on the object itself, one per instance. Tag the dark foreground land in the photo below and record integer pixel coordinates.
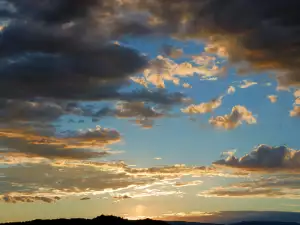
(112, 220)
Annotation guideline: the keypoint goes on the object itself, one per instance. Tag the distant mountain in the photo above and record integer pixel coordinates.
(113, 220)
(100, 220)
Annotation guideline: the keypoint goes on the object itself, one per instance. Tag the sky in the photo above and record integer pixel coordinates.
(173, 110)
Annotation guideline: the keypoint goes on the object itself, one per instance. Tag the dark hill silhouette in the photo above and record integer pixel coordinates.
(113, 220)
(100, 220)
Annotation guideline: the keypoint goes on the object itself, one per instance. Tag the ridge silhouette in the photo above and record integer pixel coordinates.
(114, 220)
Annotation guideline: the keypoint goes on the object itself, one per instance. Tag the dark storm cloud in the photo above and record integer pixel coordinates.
(58, 49)
(56, 11)
(67, 39)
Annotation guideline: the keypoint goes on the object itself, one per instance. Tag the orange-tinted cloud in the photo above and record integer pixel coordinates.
(238, 115)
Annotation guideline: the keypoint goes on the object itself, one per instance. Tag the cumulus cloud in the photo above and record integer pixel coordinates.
(238, 115)
(295, 111)
(230, 90)
(265, 158)
(297, 97)
(186, 85)
(272, 98)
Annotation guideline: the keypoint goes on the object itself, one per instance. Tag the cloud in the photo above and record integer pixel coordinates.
(186, 85)
(246, 193)
(65, 52)
(145, 123)
(140, 80)
(98, 137)
(83, 144)
(171, 51)
(230, 90)
(65, 181)
(247, 84)
(121, 197)
(206, 107)
(297, 97)
(187, 184)
(147, 193)
(50, 177)
(266, 159)
(176, 171)
(253, 40)
(162, 98)
(229, 153)
(136, 109)
(163, 69)
(290, 182)
(297, 93)
(272, 98)
(143, 112)
(16, 198)
(283, 186)
(295, 111)
(238, 115)
(38, 111)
